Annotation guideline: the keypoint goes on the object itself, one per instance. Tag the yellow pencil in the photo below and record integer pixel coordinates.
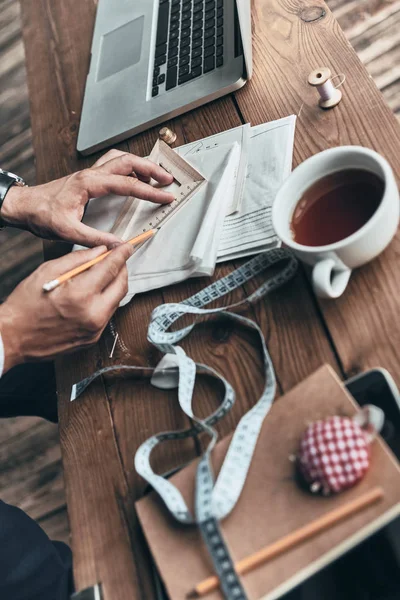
(139, 239)
(293, 539)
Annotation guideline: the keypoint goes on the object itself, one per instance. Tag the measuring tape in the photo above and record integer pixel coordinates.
(214, 500)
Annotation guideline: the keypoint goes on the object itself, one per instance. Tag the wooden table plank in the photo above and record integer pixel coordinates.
(99, 499)
(273, 315)
(122, 423)
(100, 434)
(217, 346)
(289, 47)
(361, 321)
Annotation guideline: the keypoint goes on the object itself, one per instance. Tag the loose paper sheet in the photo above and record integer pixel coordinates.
(245, 167)
(240, 135)
(269, 163)
(186, 245)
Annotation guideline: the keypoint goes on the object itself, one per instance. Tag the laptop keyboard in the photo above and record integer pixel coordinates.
(190, 41)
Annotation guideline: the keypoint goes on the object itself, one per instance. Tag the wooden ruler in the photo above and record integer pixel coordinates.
(187, 182)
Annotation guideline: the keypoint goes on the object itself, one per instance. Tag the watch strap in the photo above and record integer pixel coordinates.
(7, 180)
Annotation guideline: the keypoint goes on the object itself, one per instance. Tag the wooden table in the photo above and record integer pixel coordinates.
(101, 432)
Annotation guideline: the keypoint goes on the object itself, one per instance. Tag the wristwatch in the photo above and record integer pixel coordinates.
(7, 180)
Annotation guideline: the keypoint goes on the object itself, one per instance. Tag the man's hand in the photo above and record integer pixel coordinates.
(36, 325)
(55, 210)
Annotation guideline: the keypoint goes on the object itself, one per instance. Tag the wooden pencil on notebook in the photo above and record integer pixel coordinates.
(293, 539)
(136, 241)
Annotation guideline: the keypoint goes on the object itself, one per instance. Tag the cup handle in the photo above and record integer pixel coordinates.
(328, 280)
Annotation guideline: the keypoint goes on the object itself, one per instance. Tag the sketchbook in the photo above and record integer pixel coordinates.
(272, 504)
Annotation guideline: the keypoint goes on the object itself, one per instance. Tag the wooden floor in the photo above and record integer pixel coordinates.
(21, 252)
(30, 461)
(373, 29)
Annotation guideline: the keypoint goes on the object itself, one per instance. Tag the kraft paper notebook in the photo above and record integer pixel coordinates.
(272, 505)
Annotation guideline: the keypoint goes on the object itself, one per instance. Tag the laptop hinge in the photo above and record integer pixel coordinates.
(244, 15)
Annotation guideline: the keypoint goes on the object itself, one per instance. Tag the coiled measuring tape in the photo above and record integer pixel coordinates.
(214, 500)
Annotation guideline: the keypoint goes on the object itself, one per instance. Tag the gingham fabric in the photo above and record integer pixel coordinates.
(334, 455)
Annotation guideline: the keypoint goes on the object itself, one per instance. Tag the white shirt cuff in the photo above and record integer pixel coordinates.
(1, 356)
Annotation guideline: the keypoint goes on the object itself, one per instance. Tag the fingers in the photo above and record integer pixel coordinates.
(102, 184)
(116, 291)
(82, 234)
(152, 194)
(54, 268)
(101, 275)
(126, 164)
(113, 153)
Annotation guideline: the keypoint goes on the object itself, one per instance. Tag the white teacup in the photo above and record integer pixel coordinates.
(333, 263)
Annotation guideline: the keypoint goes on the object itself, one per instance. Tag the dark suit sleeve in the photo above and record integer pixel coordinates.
(31, 566)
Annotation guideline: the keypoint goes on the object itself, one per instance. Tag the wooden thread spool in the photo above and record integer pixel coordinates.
(329, 95)
(167, 135)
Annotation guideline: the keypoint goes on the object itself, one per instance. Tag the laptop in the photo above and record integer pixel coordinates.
(152, 60)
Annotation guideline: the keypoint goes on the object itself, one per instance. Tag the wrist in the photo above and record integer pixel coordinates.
(13, 210)
(9, 335)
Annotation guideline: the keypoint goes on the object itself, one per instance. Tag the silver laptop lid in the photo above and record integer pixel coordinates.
(118, 98)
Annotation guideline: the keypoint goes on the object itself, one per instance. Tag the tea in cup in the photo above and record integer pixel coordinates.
(337, 211)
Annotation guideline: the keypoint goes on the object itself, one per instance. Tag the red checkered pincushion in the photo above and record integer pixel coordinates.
(334, 455)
